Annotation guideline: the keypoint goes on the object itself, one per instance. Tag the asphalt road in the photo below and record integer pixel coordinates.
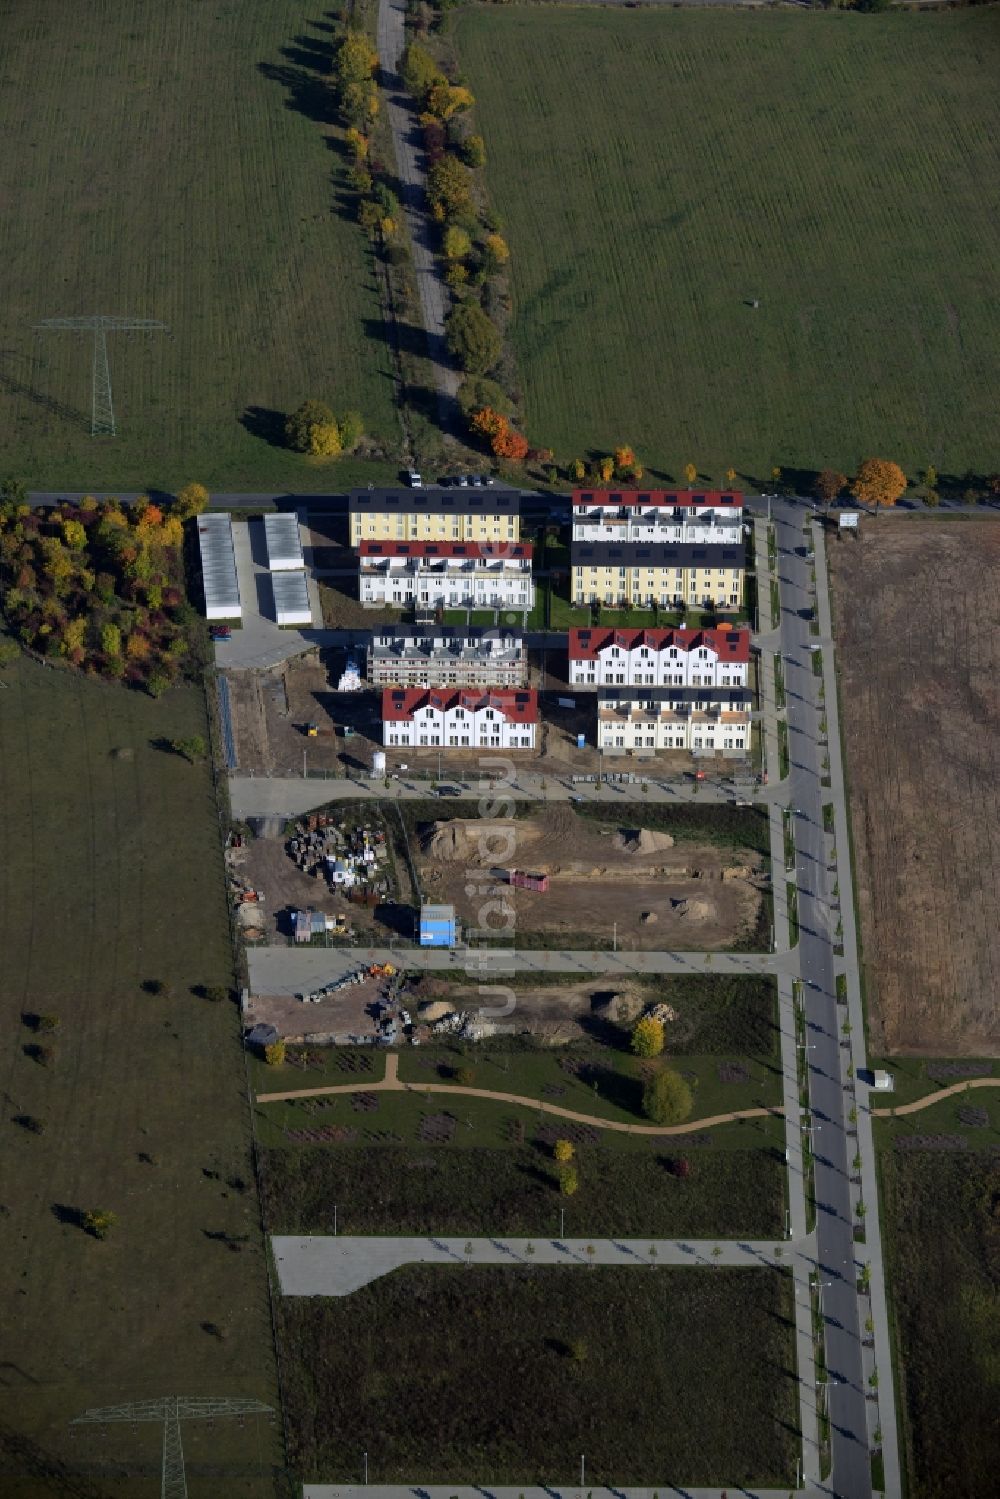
(851, 1474)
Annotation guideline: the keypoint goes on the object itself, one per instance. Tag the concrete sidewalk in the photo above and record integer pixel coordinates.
(291, 795)
(337, 1265)
(293, 970)
(882, 1411)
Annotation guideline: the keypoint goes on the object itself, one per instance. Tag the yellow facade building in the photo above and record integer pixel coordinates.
(484, 516)
(681, 576)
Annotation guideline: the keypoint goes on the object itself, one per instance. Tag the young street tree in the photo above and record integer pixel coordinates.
(829, 486)
(878, 482)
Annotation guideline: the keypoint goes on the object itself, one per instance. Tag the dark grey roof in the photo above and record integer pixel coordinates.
(655, 554)
(726, 697)
(434, 501)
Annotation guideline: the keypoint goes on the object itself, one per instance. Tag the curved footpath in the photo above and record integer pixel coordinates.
(392, 1083)
(925, 1103)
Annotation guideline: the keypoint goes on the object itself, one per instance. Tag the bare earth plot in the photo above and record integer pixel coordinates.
(918, 645)
(660, 896)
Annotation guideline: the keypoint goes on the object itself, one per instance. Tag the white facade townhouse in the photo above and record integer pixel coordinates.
(464, 719)
(650, 719)
(447, 658)
(658, 516)
(445, 575)
(609, 657)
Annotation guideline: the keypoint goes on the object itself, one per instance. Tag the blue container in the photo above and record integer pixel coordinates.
(438, 927)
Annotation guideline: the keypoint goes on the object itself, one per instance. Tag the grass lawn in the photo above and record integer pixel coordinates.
(735, 1188)
(518, 1371)
(711, 822)
(207, 203)
(732, 156)
(916, 1077)
(941, 1229)
(112, 876)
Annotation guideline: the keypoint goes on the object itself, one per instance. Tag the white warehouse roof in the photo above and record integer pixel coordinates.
(291, 598)
(218, 566)
(284, 545)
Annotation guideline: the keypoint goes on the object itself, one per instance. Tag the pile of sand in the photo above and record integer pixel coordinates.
(478, 841)
(436, 1010)
(641, 841)
(694, 910)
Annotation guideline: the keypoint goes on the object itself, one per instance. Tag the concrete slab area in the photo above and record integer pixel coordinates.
(291, 970)
(336, 1265)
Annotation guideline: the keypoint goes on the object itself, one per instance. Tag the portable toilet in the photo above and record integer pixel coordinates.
(437, 926)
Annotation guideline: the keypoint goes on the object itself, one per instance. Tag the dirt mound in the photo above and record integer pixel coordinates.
(475, 841)
(436, 1010)
(694, 910)
(641, 841)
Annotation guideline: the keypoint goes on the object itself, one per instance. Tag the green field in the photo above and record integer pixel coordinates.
(111, 877)
(660, 169)
(502, 1375)
(169, 159)
(942, 1231)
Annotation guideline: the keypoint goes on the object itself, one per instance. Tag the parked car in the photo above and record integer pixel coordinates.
(414, 479)
(220, 632)
(463, 481)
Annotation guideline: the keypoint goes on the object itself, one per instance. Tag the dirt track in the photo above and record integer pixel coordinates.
(918, 635)
(391, 1083)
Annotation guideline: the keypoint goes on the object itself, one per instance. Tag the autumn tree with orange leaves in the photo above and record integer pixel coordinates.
(504, 441)
(878, 482)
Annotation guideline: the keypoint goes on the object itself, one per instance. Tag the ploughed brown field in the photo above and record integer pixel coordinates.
(917, 623)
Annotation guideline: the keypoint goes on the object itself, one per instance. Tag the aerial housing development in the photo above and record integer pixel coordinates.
(498, 931)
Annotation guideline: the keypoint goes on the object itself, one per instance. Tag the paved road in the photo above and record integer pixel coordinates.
(336, 1265)
(434, 295)
(295, 970)
(851, 1476)
(290, 796)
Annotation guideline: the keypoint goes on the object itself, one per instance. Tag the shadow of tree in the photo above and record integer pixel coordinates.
(265, 423)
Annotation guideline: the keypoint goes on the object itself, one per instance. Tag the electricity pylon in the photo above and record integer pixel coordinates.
(170, 1411)
(102, 412)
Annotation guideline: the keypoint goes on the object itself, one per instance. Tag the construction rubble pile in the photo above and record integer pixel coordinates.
(351, 859)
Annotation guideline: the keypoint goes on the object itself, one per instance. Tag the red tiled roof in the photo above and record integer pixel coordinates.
(728, 644)
(492, 550)
(400, 703)
(717, 498)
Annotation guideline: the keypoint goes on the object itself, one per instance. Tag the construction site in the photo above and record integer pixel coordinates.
(629, 886)
(328, 878)
(291, 720)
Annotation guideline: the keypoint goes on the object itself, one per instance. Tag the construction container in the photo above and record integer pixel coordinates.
(438, 927)
(528, 881)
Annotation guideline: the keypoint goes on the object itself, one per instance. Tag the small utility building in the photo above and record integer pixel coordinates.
(437, 926)
(218, 566)
(291, 598)
(284, 543)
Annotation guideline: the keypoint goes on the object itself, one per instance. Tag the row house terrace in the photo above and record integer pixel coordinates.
(658, 515)
(446, 574)
(463, 719)
(611, 657)
(447, 658)
(678, 719)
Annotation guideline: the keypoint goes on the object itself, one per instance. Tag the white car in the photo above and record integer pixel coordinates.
(415, 480)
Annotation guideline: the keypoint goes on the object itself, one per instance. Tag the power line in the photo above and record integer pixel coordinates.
(102, 411)
(169, 1411)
